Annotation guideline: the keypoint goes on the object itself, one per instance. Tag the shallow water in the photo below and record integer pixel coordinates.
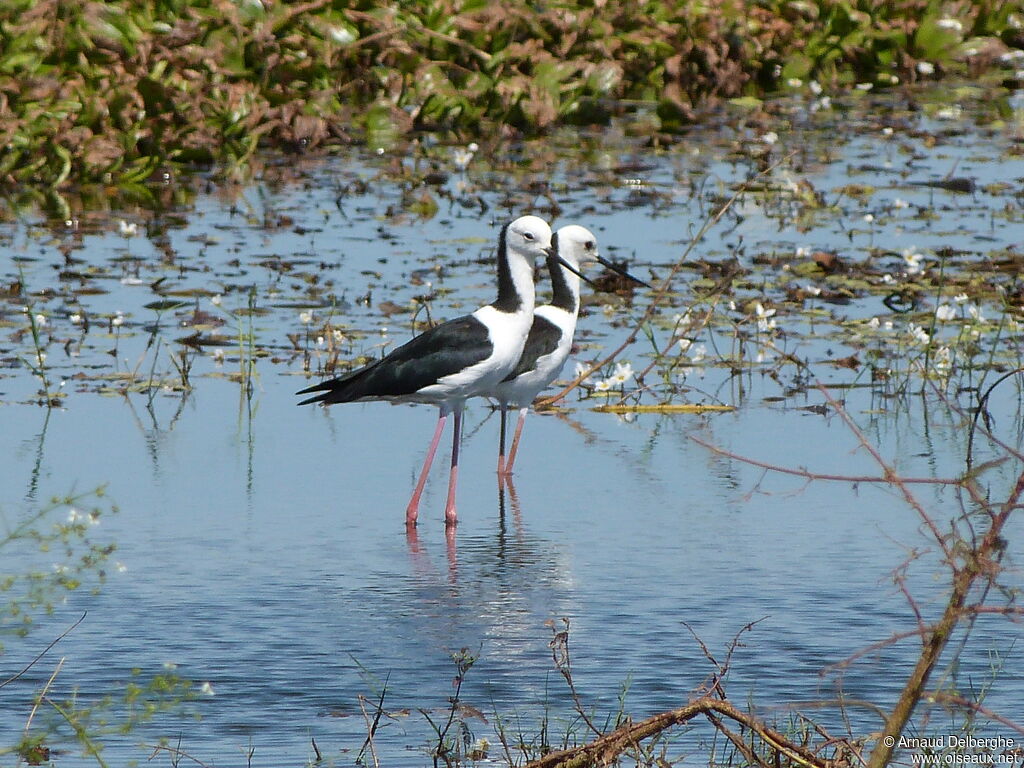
(263, 546)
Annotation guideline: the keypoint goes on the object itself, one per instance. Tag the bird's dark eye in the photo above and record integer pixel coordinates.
(589, 245)
(527, 236)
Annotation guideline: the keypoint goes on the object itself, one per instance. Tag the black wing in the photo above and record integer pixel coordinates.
(443, 350)
(543, 340)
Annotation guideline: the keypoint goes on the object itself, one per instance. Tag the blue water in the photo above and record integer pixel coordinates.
(263, 546)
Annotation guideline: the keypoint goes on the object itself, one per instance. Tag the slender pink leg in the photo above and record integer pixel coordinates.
(501, 441)
(412, 511)
(453, 558)
(453, 479)
(515, 441)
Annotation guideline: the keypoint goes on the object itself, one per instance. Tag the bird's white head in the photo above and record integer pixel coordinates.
(576, 245)
(529, 236)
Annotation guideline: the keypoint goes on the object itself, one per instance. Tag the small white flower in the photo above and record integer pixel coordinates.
(732, 305)
(216, 300)
(794, 82)
(952, 112)
(127, 229)
(320, 341)
(918, 334)
(40, 321)
(603, 385)
(463, 155)
(684, 345)
(815, 87)
(802, 252)
(943, 358)
(960, 298)
(865, 86)
(887, 131)
(899, 202)
(925, 68)
(975, 312)
(945, 312)
(218, 356)
(698, 353)
(623, 373)
(342, 35)
(770, 138)
(824, 102)
(813, 290)
(868, 217)
(74, 515)
(912, 261)
(874, 322)
(579, 370)
(338, 336)
(888, 279)
(954, 25)
(121, 567)
(306, 317)
(40, 357)
(75, 318)
(765, 321)
(118, 319)
(206, 689)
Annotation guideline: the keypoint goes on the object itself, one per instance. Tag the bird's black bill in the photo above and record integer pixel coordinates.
(571, 268)
(620, 271)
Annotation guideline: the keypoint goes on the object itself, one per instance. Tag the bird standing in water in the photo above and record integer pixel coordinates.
(458, 359)
(550, 339)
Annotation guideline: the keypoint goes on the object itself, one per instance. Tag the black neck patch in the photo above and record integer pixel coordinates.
(561, 295)
(508, 299)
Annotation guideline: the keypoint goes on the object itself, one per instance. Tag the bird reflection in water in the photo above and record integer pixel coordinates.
(508, 499)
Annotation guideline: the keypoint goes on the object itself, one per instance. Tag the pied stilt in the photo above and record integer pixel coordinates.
(456, 360)
(550, 339)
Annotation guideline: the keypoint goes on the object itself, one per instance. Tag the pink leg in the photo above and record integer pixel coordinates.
(453, 479)
(501, 441)
(515, 441)
(412, 511)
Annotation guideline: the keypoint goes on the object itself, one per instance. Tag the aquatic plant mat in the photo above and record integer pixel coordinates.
(854, 258)
(116, 92)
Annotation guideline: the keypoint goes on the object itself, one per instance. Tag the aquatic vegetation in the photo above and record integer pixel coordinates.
(62, 532)
(121, 92)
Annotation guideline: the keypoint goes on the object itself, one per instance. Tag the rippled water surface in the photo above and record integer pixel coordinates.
(262, 548)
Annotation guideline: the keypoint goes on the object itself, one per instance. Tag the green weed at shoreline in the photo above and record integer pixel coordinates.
(116, 92)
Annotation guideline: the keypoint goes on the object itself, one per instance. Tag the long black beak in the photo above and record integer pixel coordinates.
(620, 271)
(571, 268)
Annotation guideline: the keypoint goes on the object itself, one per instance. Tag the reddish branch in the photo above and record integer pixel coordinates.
(604, 750)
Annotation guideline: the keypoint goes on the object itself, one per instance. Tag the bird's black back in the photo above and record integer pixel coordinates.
(441, 351)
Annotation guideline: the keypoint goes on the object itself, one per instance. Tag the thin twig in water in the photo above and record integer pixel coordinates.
(176, 753)
(372, 727)
(45, 650)
(42, 694)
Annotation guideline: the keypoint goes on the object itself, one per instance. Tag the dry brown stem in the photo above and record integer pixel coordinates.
(604, 750)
